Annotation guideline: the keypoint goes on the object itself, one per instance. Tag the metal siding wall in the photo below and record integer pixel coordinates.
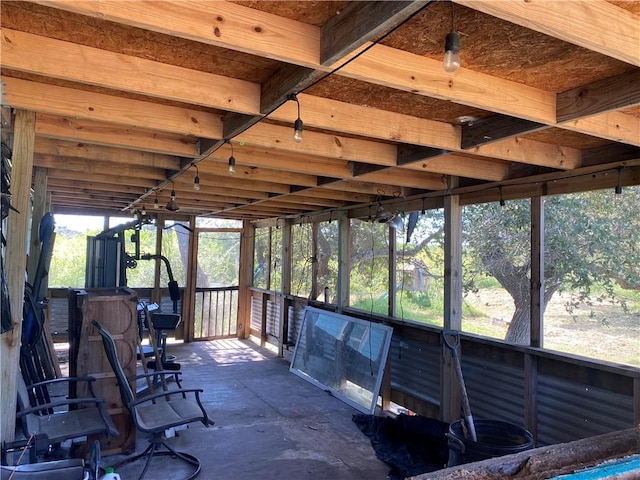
(256, 313)
(415, 368)
(273, 318)
(295, 322)
(570, 410)
(496, 390)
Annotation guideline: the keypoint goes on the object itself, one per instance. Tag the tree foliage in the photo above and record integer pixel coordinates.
(589, 244)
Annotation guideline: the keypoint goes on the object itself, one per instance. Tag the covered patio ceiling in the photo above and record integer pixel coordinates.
(131, 96)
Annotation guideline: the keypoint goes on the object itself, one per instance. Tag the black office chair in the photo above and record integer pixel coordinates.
(156, 412)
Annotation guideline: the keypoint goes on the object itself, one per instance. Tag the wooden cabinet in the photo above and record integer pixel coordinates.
(115, 309)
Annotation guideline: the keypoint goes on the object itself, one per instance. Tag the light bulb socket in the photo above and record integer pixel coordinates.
(298, 128)
(232, 165)
(172, 205)
(452, 42)
(196, 183)
(156, 204)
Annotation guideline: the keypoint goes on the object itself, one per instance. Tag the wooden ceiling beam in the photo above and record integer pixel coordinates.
(120, 180)
(407, 178)
(286, 162)
(74, 62)
(340, 36)
(609, 153)
(360, 22)
(65, 184)
(215, 23)
(464, 166)
(358, 169)
(97, 167)
(107, 134)
(614, 126)
(231, 30)
(220, 176)
(310, 201)
(269, 175)
(377, 189)
(518, 149)
(89, 151)
(342, 195)
(79, 104)
(593, 24)
(498, 127)
(289, 79)
(327, 114)
(80, 201)
(408, 154)
(608, 94)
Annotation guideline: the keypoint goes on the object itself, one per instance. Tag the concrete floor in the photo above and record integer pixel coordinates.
(270, 424)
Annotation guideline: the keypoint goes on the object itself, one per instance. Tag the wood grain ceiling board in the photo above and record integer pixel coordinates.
(145, 98)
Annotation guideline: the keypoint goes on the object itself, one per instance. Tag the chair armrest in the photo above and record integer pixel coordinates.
(152, 374)
(153, 396)
(88, 379)
(62, 379)
(59, 403)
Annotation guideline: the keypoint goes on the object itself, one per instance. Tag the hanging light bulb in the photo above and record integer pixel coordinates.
(172, 205)
(156, 204)
(196, 180)
(143, 212)
(232, 160)
(298, 126)
(451, 61)
(618, 187)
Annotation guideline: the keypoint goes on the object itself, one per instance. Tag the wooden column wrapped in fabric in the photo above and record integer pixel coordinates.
(115, 309)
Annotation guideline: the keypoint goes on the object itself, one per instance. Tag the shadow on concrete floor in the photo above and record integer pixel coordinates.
(270, 424)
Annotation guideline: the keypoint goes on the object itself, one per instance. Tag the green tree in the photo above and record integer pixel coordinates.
(590, 243)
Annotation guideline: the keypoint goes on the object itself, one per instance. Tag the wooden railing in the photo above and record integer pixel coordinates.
(215, 313)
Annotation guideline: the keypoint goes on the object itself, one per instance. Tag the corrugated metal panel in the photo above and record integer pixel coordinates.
(59, 315)
(496, 390)
(570, 410)
(415, 368)
(295, 316)
(273, 318)
(256, 313)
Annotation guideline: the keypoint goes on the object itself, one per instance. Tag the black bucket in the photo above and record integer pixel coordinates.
(495, 439)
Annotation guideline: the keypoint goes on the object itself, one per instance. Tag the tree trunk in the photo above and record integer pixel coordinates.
(520, 327)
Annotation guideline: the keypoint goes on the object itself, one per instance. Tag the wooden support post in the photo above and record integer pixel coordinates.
(636, 402)
(537, 272)
(263, 320)
(269, 253)
(189, 295)
(450, 396)
(155, 295)
(287, 261)
(536, 333)
(344, 254)
(385, 389)
(39, 209)
(314, 262)
(247, 247)
(393, 264)
(16, 265)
